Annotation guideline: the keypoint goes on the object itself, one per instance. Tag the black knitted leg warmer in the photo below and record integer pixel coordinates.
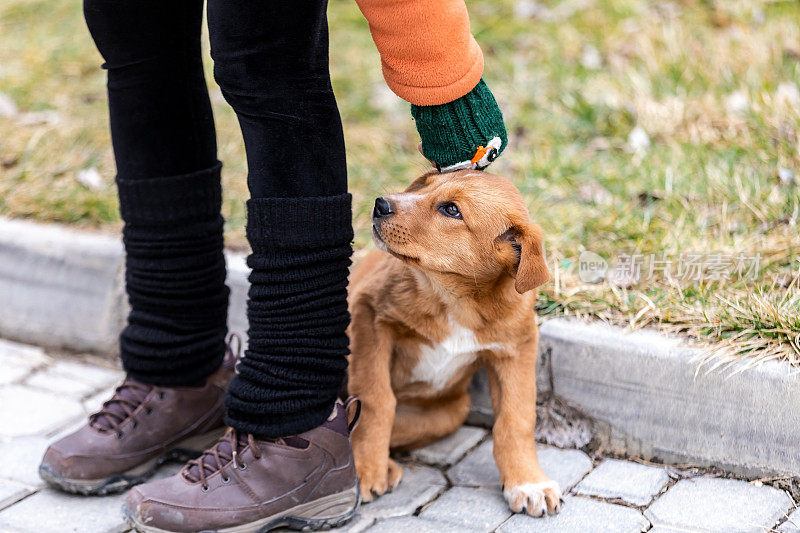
(175, 278)
(295, 363)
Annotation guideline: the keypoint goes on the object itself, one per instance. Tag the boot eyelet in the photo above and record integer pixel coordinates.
(161, 395)
(204, 489)
(243, 467)
(226, 480)
(135, 425)
(120, 436)
(148, 411)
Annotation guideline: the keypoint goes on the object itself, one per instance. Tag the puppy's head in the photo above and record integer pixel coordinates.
(468, 223)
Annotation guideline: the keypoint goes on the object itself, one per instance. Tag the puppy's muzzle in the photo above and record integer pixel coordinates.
(383, 209)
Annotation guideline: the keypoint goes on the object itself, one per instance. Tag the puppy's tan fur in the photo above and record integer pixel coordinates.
(443, 297)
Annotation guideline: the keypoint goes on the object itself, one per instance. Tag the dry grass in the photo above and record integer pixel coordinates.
(712, 84)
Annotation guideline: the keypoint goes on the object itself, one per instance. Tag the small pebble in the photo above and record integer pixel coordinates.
(7, 106)
(37, 118)
(788, 93)
(639, 140)
(737, 103)
(90, 178)
(591, 58)
(785, 175)
(529, 9)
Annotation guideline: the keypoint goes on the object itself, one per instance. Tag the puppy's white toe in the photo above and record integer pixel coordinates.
(532, 498)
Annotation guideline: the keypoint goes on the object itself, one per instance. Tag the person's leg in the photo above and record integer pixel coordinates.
(271, 62)
(168, 177)
(165, 149)
(287, 459)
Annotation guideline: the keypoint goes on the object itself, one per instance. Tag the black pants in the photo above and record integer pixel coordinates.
(271, 62)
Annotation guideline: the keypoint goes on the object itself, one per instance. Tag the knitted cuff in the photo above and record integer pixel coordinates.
(292, 223)
(466, 133)
(172, 199)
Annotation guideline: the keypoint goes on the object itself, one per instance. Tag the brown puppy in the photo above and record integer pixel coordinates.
(449, 291)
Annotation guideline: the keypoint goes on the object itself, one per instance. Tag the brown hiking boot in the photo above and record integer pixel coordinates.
(244, 484)
(141, 427)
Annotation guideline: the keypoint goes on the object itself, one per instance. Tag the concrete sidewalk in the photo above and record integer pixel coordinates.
(450, 486)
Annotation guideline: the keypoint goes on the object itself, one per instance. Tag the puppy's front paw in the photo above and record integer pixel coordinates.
(376, 477)
(536, 499)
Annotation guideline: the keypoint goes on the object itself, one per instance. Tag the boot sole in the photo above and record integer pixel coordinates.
(324, 513)
(183, 451)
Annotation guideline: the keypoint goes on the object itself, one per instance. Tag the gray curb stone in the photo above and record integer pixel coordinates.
(713, 504)
(63, 288)
(60, 287)
(645, 391)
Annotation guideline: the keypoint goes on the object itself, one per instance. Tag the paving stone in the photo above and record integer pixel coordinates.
(11, 492)
(467, 507)
(667, 529)
(412, 524)
(11, 372)
(358, 524)
(18, 360)
(49, 511)
(714, 504)
(792, 524)
(579, 515)
(478, 469)
(48, 381)
(420, 485)
(632, 482)
(21, 354)
(451, 449)
(29, 412)
(21, 459)
(91, 376)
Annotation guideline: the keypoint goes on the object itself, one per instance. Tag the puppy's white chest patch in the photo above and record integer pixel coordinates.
(438, 364)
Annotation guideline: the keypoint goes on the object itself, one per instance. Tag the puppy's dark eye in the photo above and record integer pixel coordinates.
(450, 209)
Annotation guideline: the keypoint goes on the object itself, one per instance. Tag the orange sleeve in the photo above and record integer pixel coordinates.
(428, 53)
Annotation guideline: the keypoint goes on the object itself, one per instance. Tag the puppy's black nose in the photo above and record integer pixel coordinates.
(382, 209)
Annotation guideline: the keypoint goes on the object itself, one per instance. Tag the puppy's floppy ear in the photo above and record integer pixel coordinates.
(529, 268)
(420, 182)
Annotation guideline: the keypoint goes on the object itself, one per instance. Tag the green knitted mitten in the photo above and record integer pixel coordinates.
(466, 133)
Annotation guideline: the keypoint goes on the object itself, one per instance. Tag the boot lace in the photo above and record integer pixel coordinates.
(121, 407)
(131, 394)
(227, 450)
